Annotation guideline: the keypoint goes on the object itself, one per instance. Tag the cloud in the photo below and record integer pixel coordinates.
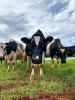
(25, 17)
(3, 27)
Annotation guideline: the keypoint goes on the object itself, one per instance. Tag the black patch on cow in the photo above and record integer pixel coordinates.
(11, 46)
(54, 50)
(25, 40)
(63, 56)
(70, 51)
(49, 39)
(58, 43)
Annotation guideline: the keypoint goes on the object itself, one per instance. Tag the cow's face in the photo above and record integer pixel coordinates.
(62, 50)
(63, 55)
(37, 50)
(35, 47)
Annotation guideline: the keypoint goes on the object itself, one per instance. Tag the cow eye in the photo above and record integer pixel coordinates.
(2, 47)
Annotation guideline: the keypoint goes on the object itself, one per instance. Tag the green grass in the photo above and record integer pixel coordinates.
(56, 80)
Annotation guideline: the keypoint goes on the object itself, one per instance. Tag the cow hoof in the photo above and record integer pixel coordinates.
(41, 77)
(32, 78)
(8, 69)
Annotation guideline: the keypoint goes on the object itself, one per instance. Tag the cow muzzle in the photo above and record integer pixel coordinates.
(37, 60)
(1, 56)
(63, 60)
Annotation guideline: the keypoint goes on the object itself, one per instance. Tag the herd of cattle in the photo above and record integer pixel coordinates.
(37, 48)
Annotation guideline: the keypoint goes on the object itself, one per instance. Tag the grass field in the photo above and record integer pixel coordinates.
(56, 80)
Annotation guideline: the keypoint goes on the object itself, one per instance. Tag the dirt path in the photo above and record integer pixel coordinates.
(55, 97)
(9, 86)
(40, 96)
(48, 97)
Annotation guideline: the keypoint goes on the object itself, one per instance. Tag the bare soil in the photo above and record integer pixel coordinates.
(48, 97)
(9, 86)
(39, 96)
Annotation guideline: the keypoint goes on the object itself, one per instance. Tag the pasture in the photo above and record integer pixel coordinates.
(16, 83)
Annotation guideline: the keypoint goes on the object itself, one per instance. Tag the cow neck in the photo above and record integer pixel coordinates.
(48, 46)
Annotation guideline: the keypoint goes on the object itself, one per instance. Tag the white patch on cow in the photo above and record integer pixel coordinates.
(2, 46)
(62, 50)
(48, 46)
(1, 53)
(37, 57)
(37, 39)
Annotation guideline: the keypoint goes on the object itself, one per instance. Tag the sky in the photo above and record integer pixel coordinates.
(22, 18)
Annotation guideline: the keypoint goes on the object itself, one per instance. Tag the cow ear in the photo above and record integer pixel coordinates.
(6, 43)
(49, 39)
(25, 40)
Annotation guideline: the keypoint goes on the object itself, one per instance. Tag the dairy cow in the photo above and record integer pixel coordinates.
(10, 54)
(70, 51)
(14, 51)
(54, 49)
(35, 48)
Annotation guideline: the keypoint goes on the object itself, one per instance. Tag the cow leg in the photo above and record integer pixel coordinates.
(13, 65)
(8, 68)
(5, 60)
(41, 72)
(28, 62)
(1, 61)
(58, 62)
(24, 58)
(52, 62)
(14, 61)
(32, 72)
(8, 65)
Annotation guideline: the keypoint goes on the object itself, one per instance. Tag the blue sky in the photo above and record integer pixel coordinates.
(20, 18)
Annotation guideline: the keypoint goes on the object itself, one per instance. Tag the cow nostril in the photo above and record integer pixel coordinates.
(37, 57)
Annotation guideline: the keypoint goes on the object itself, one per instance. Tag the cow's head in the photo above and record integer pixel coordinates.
(63, 55)
(61, 50)
(48, 40)
(35, 46)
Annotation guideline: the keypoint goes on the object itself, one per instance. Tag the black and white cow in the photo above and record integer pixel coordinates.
(70, 51)
(54, 49)
(35, 48)
(10, 54)
(14, 51)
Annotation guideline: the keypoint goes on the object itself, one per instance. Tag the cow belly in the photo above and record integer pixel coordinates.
(11, 57)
